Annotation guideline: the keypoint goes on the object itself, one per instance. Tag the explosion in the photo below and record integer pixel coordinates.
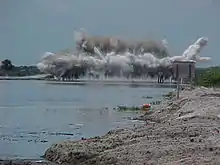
(112, 56)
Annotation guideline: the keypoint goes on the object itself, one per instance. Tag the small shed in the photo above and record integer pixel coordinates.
(184, 70)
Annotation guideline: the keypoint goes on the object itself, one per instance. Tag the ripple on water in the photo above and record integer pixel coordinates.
(36, 115)
(19, 134)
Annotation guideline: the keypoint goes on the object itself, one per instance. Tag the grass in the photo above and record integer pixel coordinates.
(208, 77)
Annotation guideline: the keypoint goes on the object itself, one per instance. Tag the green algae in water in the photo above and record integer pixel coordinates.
(131, 109)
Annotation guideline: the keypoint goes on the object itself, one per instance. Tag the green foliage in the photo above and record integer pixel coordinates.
(208, 77)
(20, 71)
(6, 65)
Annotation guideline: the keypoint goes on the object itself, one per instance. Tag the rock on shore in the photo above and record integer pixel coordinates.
(184, 131)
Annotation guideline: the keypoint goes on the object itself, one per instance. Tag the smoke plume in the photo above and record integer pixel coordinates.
(107, 44)
(110, 54)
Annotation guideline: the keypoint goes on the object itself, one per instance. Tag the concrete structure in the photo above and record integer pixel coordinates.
(184, 70)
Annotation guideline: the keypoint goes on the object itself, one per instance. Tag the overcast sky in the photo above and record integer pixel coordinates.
(28, 28)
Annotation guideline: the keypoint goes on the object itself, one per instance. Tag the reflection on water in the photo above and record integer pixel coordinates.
(33, 115)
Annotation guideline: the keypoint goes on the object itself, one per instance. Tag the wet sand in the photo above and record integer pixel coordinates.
(184, 131)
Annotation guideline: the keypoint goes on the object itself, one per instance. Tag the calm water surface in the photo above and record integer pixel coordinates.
(33, 114)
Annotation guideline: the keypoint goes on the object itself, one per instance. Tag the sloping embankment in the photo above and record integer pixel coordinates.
(186, 131)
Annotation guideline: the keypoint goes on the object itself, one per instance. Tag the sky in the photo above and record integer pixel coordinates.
(28, 28)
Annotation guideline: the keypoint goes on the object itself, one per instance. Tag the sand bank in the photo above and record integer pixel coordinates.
(184, 131)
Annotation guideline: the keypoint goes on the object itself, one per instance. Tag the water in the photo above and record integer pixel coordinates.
(33, 114)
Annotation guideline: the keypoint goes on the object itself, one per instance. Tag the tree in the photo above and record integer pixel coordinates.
(6, 65)
(209, 77)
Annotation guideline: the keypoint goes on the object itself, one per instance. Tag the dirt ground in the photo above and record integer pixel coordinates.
(179, 132)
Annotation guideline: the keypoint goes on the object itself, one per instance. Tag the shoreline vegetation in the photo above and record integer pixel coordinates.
(207, 77)
(11, 70)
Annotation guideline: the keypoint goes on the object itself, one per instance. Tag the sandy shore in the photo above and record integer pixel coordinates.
(178, 132)
(184, 131)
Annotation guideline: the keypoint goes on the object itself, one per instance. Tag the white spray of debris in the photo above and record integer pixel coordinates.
(58, 63)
